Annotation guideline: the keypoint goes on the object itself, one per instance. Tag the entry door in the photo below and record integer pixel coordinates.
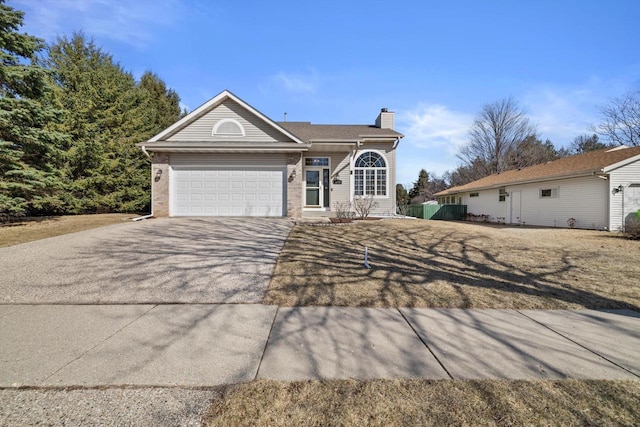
(317, 187)
(515, 207)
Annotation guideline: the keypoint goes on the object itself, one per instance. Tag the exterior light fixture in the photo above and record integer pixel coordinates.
(617, 189)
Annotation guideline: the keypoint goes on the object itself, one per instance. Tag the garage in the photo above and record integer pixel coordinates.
(231, 190)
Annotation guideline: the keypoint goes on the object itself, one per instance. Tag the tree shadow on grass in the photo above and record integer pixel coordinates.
(432, 266)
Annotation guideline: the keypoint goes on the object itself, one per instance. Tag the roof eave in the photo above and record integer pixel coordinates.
(620, 164)
(209, 148)
(520, 182)
(213, 102)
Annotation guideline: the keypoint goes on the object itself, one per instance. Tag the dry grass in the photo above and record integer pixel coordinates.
(424, 402)
(453, 264)
(40, 228)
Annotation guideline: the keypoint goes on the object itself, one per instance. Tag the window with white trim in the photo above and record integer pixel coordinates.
(316, 161)
(546, 193)
(228, 128)
(502, 194)
(370, 175)
(474, 194)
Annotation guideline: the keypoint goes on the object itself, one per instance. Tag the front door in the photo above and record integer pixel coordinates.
(515, 202)
(317, 188)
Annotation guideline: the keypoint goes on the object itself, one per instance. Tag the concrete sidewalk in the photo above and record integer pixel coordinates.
(209, 345)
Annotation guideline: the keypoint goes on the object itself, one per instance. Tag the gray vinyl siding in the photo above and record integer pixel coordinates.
(584, 199)
(228, 160)
(338, 165)
(386, 205)
(626, 175)
(255, 128)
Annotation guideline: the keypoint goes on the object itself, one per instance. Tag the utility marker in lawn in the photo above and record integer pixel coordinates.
(366, 257)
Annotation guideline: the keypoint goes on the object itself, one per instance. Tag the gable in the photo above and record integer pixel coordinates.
(229, 112)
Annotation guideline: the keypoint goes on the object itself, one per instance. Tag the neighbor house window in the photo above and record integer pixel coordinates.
(228, 128)
(370, 175)
(316, 161)
(474, 194)
(548, 193)
(502, 194)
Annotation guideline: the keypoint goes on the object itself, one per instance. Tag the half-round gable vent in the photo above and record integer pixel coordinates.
(228, 128)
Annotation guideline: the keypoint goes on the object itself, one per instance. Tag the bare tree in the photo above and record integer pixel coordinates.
(530, 151)
(621, 119)
(497, 129)
(464, 174)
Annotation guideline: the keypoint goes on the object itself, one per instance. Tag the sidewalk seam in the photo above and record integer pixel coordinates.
(425, 344)
(578, 344)
(266, 343)
(97, 344)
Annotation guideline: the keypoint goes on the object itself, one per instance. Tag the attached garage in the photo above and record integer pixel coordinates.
(219, 185)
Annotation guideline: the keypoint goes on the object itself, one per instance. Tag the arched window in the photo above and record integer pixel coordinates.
(228, 128)
(370, 175)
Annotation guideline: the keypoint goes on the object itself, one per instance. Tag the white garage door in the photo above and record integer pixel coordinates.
(227, 192)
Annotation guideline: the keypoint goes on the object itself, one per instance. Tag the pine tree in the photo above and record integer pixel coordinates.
(163, 104)
(30, 154)
(107, 113)
(419, 186)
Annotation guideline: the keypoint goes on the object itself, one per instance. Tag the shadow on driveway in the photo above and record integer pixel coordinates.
(177, 260)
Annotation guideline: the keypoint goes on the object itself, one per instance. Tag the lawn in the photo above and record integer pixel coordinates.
(40, 228)
(416, 263)
(425, 402)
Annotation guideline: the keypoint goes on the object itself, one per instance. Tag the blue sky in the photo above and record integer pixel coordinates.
(434, 63)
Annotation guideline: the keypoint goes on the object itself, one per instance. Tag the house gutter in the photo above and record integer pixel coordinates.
(146, 153)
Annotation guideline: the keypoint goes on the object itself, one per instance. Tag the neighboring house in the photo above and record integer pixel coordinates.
(598, 190)
(228, 159)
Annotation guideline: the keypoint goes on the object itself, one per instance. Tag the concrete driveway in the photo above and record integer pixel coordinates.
(169, 260)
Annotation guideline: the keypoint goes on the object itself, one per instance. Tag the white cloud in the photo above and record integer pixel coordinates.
(435, 126)
(562, 114)
(131, 22)
(299, 83)
(433, 136)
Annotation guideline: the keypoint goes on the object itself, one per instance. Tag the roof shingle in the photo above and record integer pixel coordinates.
(311, 132)
(581, 164)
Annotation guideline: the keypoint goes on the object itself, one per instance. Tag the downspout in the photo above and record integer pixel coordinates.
(351, 177)
(395, 144)
(140, 218)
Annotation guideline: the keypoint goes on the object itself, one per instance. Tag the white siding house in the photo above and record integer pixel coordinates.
(596, 190)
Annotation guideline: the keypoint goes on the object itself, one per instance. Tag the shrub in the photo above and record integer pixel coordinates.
(342, 210)
(363, 205)
(632, 226)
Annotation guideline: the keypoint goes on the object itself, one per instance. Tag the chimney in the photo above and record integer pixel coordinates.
(385, 119)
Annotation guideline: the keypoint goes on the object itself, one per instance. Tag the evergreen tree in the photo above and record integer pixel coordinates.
(162, 104)
(417, 191)
(585, 143)
(402, 197)
(107, 113)
(30, 154)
